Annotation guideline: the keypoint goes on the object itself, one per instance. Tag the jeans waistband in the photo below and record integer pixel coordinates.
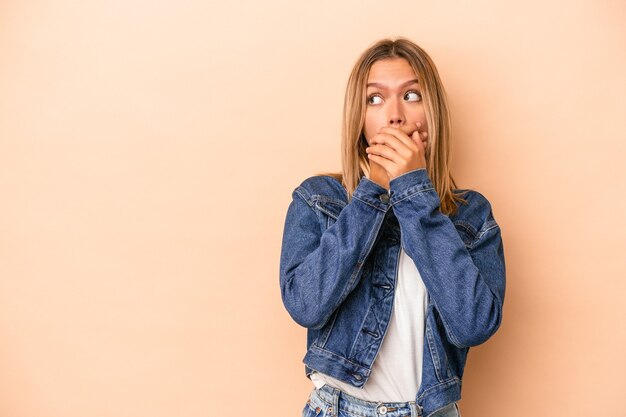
(340, 400)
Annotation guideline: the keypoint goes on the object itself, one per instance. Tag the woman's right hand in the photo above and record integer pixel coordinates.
(378, 174)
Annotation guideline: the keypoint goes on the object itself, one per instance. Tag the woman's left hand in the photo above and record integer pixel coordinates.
(396, 151)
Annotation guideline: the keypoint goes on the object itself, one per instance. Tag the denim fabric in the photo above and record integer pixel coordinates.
(338, 271)
(329, 401)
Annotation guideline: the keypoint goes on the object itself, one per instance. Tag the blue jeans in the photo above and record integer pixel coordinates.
(332, 402)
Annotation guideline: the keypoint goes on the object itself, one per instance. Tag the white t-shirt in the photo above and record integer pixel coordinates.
(397, 370)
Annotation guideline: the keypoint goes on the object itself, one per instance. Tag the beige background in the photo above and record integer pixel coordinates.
(148, 151)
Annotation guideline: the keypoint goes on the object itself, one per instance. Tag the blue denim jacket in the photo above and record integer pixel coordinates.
(338, 270)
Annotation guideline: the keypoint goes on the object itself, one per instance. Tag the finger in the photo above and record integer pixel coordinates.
(383, 151)
(397, 137)
(418, 141)
(397, 146)
(416, 138)
(422, 133)
(385, 163)
(387, 139)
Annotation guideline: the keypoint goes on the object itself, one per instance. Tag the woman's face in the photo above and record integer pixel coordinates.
(393, 98)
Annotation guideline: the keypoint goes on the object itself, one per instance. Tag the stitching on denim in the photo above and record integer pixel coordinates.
(379, 188)
(377, 322)
(482, 233)
(449, 382)
(321, 201)
(365, 202)
(312, 410)
(411, 195)
(329, 353)
(466, 226)
(317, 399)
(343, 410)
(447, 329)
(433, 351)
(304, 197)
(326, 199)
(408, 172)
(326, 335)
(355, 274)
(441, 408)
(326, 211)
(324, 401)
(371, 240)
(485, 228)
(389, 294)
(351, 351)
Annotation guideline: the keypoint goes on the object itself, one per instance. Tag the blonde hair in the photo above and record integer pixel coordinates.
(354, 159)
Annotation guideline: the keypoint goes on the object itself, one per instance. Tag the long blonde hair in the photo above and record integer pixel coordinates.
(354, 159)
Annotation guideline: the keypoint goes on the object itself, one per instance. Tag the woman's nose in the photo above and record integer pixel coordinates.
(395, 117)
(396, 121)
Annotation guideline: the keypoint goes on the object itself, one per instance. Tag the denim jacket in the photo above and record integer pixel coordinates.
(338, 271)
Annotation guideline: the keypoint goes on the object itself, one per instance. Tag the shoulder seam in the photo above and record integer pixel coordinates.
(324, 178)
(303, 193)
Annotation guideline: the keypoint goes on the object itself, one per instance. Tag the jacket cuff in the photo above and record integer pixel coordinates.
(409, 183)
(372, 193)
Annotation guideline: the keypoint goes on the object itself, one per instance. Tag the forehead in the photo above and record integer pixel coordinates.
(391, 71)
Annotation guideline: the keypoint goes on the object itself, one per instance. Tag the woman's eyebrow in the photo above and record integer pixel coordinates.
(379, 85)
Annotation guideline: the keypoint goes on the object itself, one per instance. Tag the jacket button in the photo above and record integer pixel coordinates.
(384, 198)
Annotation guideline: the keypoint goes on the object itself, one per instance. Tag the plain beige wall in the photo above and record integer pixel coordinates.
(148, 151)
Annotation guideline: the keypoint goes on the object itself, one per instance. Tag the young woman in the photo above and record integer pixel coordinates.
(393, 270)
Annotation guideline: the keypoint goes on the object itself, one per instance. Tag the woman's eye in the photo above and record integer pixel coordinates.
(419, 96)
(369, 99)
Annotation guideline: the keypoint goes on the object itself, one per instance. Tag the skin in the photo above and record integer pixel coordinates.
(395, 121)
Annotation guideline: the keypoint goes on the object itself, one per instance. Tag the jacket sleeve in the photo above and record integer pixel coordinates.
(319, 269)
(466, 284)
